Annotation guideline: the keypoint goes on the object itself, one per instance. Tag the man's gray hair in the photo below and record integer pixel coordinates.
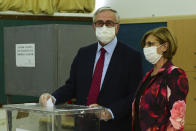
(107, 8)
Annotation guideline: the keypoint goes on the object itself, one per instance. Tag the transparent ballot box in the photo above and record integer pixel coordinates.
(34, 117)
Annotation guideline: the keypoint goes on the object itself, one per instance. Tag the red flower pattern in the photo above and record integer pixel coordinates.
(155, 104)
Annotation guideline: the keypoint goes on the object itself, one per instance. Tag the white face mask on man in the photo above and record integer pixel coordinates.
(151, 54)
(105, 34)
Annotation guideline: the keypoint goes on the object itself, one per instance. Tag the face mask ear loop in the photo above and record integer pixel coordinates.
(161, 50)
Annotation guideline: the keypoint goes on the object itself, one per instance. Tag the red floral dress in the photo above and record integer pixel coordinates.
(159, 103)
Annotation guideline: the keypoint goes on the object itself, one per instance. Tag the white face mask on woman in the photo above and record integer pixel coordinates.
(105, 34)
(151, 54)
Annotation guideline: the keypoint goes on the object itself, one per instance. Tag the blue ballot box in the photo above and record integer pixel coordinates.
(34, 117)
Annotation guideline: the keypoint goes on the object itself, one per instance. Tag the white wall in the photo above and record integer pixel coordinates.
(149, 8)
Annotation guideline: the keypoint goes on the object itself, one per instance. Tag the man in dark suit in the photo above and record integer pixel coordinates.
(120, 74)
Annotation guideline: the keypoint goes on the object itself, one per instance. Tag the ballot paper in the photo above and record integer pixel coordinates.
(49, 103)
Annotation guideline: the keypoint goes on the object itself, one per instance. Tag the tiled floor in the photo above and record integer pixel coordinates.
(3, 126)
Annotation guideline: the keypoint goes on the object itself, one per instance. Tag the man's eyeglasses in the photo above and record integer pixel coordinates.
(108, 23)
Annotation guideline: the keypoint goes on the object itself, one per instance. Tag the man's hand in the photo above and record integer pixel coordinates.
(44, 98)
(105, 115)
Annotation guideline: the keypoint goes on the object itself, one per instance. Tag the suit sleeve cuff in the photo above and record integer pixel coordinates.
(111, 112)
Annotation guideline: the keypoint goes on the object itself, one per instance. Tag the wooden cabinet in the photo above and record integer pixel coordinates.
(185, 32)
(190, 121)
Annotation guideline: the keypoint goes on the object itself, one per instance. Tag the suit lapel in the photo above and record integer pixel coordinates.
(90, 63)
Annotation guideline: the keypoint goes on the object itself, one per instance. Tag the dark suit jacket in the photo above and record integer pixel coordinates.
(121, 80)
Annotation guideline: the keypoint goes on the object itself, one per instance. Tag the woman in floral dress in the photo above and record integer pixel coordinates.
(159, 103)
